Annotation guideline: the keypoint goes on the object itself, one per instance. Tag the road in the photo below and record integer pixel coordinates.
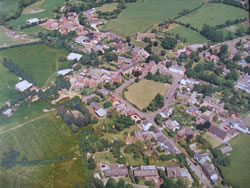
(169, 99)
(229, 43)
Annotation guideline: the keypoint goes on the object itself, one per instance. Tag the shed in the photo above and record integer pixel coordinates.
(33, 20)
(23, 85)
(73, 56)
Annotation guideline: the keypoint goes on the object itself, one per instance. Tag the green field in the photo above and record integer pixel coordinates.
(41, 136)
(143, 92)
(39, 61)
(213, 14)
(45, 6)
(190, 35)
(107, 7)
(239, 170)
(140, 16)
(8, 7)
(7, 85)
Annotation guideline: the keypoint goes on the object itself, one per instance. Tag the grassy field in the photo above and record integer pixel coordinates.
(8, 7)
(39, 61)
(213, 14)
(212, 140)
(239, 170)
(105, 157)
(140, 16)
(44, 6)
(107, 7)
(7, 85)
(190, 36)
(143, 92)
(41, 136)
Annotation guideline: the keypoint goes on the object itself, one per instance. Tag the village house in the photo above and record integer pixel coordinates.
(177, 69)
(241, 127)
(142, 36)
(193, 98)
(140, 54)
(202, 157)
(125, 60)
(219, 133)
(98, 110)
(114, 170)
(103, 91)
(163, 141)
(226, 149)
(210, 171)
(191, 110)
(244, 83)
(172, 125)
(50, 24)
(174, 172)
(146, 125)
(128, 69)
(7, 112)
(145, 172)
(166, 112)
(194, 47)
(186, 132)
(182, 95)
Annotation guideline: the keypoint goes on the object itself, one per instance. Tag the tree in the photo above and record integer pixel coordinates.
(107, 104)
(128, 39)
(91, 163)
(121, 183)
(237, 57)
(169, 43)
(110, 56)
(111, 183)
(169, 64)
(247, 59)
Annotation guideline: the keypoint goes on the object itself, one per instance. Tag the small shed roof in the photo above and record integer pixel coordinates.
(73, 56)
(23, 85)
(64, 72)
(101, 112)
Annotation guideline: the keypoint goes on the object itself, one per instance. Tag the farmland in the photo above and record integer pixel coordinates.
(238, 171)
(213, 14)
(140, 16)
(39, 61)
(190, 36)
(42, 140)
(7, 84)
(107, 7)
(39, 10)
(143, 92)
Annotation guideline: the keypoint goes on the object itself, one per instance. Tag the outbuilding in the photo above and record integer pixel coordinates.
(23, 85)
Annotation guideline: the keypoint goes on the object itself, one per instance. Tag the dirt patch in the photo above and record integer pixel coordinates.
(32, 10)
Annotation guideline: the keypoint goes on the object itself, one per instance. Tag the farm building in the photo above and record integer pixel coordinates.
(23, 85)
(64, 72)
(32, 21)
(142, 36)
(73, 56)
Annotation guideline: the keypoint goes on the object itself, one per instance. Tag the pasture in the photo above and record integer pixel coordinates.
(41, 9)
(238, 172)
(142, 15)
(39, 61)
(213, 14)
(8, 7)
(190, 36)
(143, 92)
(42, 139)
(7, 85)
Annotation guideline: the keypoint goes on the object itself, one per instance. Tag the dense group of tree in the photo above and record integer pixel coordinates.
(17, 70)
(155, 104)
(157, 77)
(169, 43)
(75, 114)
